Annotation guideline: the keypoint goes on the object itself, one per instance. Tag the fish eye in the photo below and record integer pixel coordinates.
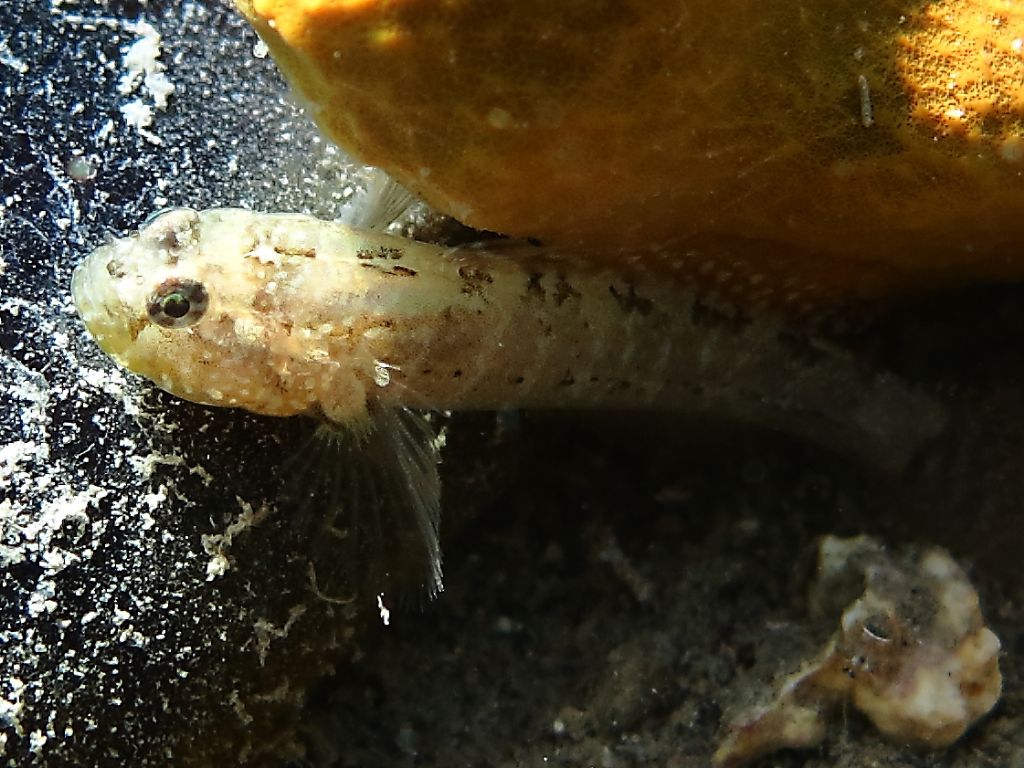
(178, 303)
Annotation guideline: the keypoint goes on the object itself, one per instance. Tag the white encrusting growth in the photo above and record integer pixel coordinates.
(218, 545)
(144, 69)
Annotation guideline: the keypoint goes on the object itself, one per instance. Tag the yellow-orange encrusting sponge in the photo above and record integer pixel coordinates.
(964, 66)
(780, 153)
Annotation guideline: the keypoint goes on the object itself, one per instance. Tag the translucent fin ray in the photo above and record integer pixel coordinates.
(370, 499)
(384, 201)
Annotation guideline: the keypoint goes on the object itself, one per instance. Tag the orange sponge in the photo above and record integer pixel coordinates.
(783, 153)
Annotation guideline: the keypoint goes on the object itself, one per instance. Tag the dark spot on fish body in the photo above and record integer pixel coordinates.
(396, 271)
(380, 252)
(533, 287)
(135, 327)
(474, 280)
(706, 315)
(567, 380)
(457, 373)
(115, 268)
(471, 274)
(564, 291)
(629, 301)
(263, 301)
(306, 253)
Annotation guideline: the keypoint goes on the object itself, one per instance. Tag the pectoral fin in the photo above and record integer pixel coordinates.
(371, 498)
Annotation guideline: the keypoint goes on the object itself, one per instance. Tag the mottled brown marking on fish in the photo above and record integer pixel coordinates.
(630, 302)
(533, 286)
(396, 271)
(707, 315)
(262, 301)
(474, 280)
(135, 326)
(564, 291)
(309, 252)
(115, 268)
(379, 252)
(169, 242)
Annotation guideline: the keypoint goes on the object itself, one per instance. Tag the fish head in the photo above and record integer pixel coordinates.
(178, 302)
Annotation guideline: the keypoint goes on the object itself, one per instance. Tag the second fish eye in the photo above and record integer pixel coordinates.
(178, 303)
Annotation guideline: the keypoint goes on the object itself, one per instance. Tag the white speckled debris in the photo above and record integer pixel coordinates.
(912, 653)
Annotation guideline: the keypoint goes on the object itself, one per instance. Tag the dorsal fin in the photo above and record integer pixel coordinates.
(383, 202)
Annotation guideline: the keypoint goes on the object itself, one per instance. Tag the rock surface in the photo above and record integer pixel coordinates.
(911, 652)
(598, 613)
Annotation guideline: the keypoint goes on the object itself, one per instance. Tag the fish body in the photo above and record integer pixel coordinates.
(306, 316)
(285, 314)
